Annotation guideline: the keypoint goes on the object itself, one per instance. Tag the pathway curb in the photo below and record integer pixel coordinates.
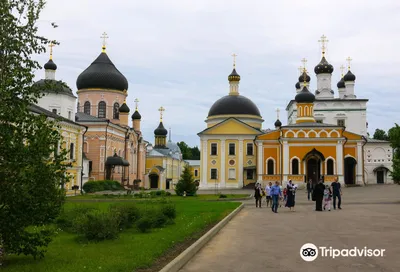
(177, 263)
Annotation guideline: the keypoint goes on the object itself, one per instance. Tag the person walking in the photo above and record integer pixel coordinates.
(318, 195)
(327, 198)
(290, 195)
(336, 193)
(268, 193)
(258, 194)
(309, 188)
(275, 192)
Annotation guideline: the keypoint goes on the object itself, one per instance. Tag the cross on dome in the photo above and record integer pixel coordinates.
(104, 36)
(161, 110)
(277, 113)
(348, 62)
(323, 42)
(234, 60)
(136, 103)
(51, 45)
(342, 69)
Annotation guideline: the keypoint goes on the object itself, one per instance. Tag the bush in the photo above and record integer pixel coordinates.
(66, 218)
(128, 214)
(144, 224)
(102, 185)
(186, 184)
(169, 211)
(167, 194)
(222, 196)
(158, 219)
(97, 226)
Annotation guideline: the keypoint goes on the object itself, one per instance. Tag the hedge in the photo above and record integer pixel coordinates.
(102, 185)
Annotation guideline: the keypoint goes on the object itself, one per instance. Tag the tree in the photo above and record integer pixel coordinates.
(195, 153)
(32, 171)
(380, 134)
(186, 183)
(394, 138)
(189, 153)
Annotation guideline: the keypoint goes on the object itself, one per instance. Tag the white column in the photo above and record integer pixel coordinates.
(260, 162)
(286, 160)
(359, 164)
(223, 166)
(240, 167)
(204, 158)
(339, 161)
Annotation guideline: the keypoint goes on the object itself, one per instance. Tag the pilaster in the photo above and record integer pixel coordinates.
(359, 176)
(204, 158)
(223, 165)
(339, 161)
(259, 161)
(286, 161)
(240, 184)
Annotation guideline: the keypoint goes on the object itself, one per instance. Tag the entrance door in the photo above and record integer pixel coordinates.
(167, 185)
(349, 170)
(313, 168)
(153, 181)
(380, 176)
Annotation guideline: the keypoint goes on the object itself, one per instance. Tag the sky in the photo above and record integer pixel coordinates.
(178, 53)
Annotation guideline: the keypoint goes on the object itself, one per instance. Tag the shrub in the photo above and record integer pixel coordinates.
(186, 183)
(158, 220)
(169, 211)
(223, 196)
(138, 195)
(66, 218)
(97, 226)
(128, 214)
(168, 194)
(102, 185)
(144, 224)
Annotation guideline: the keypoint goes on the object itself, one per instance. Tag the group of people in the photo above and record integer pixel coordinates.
(320, 193)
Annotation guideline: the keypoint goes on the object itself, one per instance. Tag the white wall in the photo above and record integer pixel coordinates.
(376, 155)
(63, 104)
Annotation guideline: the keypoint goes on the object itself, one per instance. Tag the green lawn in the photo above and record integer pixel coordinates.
(132, 249)
(172, 197)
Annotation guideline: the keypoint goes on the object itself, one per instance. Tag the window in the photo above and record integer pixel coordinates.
(54, 111)
(270, 167)
(249, 174)
(77, 107)
(232, 173)
(71, 151)
(196, 172)
(249, 149)
(231, 149)
(69, 114)
(86, 107)
(329, 167)
(295, 167)
(116, 111)
(213, 173)
(319, 121)
(340, 122)
(214, 149)
(102, 109)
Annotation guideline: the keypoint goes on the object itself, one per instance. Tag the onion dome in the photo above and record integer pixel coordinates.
(124, 108)
(298, 85)
(349, 76)
(234, 76)
(304, 96)
(102, 74)
(232, 105)
(54, 86)
(340, 84)
(278, 123)
(136, 115)
(50, 65)
(323, 67)
(160, 130)
(304, 74)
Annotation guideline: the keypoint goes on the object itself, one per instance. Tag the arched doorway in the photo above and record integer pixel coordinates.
(350, 170)
(153, 180)
(313, 169)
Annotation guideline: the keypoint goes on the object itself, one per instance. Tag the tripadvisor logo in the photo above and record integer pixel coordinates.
(309, 252)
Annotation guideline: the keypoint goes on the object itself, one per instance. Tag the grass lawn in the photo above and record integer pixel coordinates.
(132, 250)
(172, 197)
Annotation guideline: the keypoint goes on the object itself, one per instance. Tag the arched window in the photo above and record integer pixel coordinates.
(270, 167)
(102, 110)
(71, 151)
(295, 167)
(116, 111)
(78, 107)
(86, 107)
(329, 167)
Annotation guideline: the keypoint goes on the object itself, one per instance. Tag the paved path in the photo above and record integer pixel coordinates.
(259, 240)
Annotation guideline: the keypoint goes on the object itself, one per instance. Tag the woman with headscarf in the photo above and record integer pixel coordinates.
(318, 195)
(291, 191)
(258, 194)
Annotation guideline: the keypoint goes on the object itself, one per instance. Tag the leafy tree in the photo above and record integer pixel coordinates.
(394, 138)
(186, 183)
(32, 172)
(189, 153)
(380, 134)
(195, 153)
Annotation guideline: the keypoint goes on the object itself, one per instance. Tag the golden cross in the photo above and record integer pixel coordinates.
(348, 62)
(51, 45)
(136, 103)
(161, 110)
(277, 113)
(304, 61)
(323, 42)
(234, 60)
(104, 37)
(342, 69)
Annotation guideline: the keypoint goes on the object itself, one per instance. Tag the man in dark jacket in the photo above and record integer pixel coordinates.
(309, 188)
(318, 195)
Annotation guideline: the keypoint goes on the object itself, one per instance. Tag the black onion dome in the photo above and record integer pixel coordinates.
(304, 96)
(301, 78)
(234, 76)
(50, 65)
(298, 85)
(234, 104)
(278, 123)
(349, 76)
(323, 67)
(340, 84)
(124, 108)
(136, 115)
(103, 74)
(160, 130)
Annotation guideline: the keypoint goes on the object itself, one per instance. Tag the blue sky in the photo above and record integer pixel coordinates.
(177, 54)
